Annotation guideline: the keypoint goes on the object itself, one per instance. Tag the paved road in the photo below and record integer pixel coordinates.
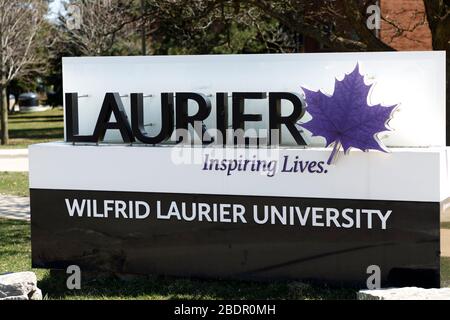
(13, 159)
(13, 207)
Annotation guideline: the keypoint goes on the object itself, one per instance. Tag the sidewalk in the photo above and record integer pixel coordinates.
(13, 159)
(13, 207)
(445, 242)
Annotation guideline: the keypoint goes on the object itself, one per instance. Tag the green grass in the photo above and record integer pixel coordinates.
(15, 247)
(164, 288)
(14, 183)
(445, 271)
(15, 255)
(35, 127)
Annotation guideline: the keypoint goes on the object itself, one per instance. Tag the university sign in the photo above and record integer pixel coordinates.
(234, 167)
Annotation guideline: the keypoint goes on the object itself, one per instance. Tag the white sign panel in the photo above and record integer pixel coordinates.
(414, 81)
(401, 175)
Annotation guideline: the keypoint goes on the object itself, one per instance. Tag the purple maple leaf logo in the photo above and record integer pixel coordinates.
(345, 118)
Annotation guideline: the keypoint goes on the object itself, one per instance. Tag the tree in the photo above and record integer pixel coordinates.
(341, 26)
(112, 27)
(212, 26)
(96, 28)
(438, 16)
(20, 23)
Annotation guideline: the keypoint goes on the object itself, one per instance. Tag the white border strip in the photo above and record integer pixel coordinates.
(404, 174)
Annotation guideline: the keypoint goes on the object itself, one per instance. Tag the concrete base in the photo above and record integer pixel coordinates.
(407, 293)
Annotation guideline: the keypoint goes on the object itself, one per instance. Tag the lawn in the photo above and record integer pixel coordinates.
(15, 255)
(14, 183)
(445, 271)
(34, 127)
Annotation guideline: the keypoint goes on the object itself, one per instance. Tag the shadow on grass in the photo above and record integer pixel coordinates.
(163, 287)
(44, 133)
(13, 232)
(45, 120)
(37, 116)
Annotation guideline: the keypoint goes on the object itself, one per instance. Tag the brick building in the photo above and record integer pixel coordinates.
(403, 26)
(409, 17)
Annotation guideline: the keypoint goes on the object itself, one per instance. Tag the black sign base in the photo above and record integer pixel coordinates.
(121, 234)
